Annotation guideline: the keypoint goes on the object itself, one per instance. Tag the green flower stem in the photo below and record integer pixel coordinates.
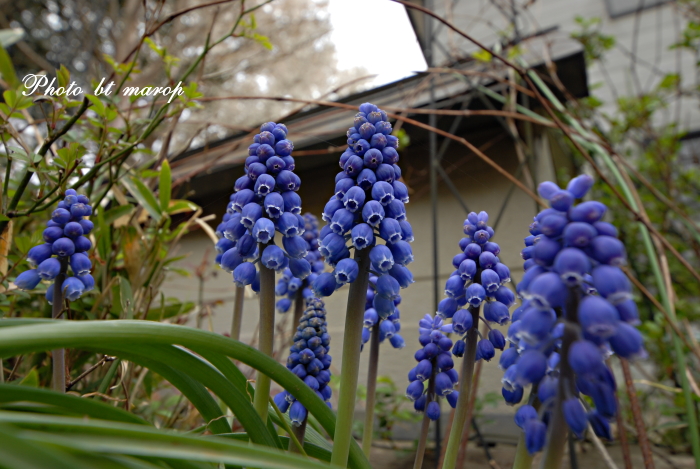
(296, 437)
(425, 424)
(523, 459)
(298, 312)
(371, 389)
(558, 428)
(296, 434)
(58, 356)
(237, 313)
(459, 422)
(266, 336)
(352, 341)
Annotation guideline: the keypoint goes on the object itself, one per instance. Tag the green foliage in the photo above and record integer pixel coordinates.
(594, 43)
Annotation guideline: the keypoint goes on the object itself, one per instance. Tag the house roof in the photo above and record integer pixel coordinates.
(319, 130)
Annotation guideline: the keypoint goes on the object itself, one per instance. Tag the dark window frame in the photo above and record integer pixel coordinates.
(614, 13)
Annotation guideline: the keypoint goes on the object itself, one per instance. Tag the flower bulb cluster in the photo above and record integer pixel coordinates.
(65, 241)
(577, 307)
(434, 364)
(480, 278)
(289, 286)
(389, 327)
(368, 204)
(309, 360)
(265, 201)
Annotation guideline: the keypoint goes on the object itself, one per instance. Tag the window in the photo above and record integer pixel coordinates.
(617, 8)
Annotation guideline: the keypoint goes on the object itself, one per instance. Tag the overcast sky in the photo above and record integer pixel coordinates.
(376, 35)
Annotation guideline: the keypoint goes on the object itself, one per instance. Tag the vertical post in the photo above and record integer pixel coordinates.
(237, 313)
(266, 337)
(352, 340)
(432, 121)
(58, 356)
(371, 390)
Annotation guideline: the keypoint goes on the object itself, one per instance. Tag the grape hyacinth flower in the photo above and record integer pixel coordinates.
(309, 360)
(265, 202)
(436, 367)
(387, 328)
(297, 278)
(577, 311)
(368, 207)
(65, 238)
(479, 280)
(66, 245)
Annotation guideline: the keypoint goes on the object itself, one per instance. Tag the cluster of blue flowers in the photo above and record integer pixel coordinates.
(480, 278)
(289, 285)
(368, 204)
(577, 304)
(388, 328)
(434, 363)
(309, 360)
(66, 238)
(265, 201)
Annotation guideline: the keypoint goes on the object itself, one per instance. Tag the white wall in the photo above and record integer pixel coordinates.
(648, 35)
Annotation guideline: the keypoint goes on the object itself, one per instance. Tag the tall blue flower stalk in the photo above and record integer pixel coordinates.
(375, 331)
(577, 311)
(478, 285)
(297, 291)
(66, 245)
(368, 206)
(436, 367)
(265, 202)
(309, 359)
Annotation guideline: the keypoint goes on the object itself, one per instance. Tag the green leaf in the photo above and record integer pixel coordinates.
(7, 70)
(10, 36)
(18, 336)
(67, 402)
(126, 298)
(16, 451)
(97, 105)
(63, 76)
(68, 155)
(80, 436)
(143, 196)
(113, 214)
(169, 311)
(482, 56)
(164, 187)
(181, 206)
(31, 379)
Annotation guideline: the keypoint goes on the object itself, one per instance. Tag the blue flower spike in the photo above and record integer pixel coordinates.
(66, 245)
(295, 282)
(577, 309)
(264, 211)
(309, 360)
(434, 376)
(366, 211)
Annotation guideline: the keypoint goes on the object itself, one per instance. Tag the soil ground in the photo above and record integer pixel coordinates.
(587, 458)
